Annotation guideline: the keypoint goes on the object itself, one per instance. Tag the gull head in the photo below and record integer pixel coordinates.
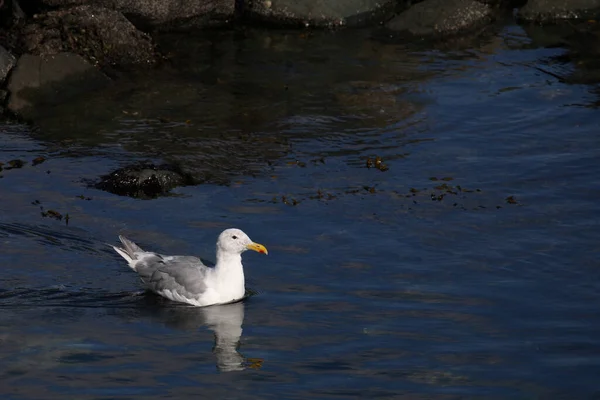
(236, 242)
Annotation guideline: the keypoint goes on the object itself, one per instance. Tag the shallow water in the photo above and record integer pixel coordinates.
(427, 280)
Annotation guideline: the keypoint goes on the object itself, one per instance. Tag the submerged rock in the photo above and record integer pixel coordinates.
(39, 81)
(442, 17)
(553, 10)
(103, 36)
(144, 180)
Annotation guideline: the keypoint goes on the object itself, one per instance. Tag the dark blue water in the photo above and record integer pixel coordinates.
(468, 269)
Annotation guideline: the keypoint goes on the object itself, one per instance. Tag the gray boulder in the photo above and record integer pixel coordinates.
(103, 36)
(442, 17)
(39, 81)
(553, 10)
(157, 14)
(321, 13)
(7, 62)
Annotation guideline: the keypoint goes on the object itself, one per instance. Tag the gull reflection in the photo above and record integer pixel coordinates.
(224, 320)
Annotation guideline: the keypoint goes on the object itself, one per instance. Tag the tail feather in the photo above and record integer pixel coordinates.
(129, 250)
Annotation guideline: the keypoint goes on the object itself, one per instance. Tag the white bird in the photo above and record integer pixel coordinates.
(186, 279)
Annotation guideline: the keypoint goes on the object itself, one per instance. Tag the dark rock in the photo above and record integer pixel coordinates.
(42, 80)
(144, 180)
(442, 17)
(503, 3)
(152, 14)
(10, 12)
(324, 13)
(7, 62)
(103, 36)
(65, 3)
(554, 10)
(176, 13)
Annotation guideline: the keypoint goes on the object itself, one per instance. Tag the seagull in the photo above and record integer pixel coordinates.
(186, 279)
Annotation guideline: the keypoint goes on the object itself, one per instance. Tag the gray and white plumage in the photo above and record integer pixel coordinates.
(187, 279)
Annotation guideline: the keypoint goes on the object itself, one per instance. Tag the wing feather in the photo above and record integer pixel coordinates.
(183, 275)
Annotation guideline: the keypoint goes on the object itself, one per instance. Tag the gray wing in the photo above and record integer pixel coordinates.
(182, 274)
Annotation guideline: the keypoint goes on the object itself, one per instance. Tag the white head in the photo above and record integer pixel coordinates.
(236, 242)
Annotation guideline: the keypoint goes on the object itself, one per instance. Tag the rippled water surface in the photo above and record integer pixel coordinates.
(468, 269)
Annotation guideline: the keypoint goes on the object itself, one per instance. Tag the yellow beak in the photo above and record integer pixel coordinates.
(257, 247)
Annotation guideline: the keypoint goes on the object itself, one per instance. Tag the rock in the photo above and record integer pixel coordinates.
(7, 62)
(176, 13)
(153, 14)
(553, 10)
(323, 13)
(44, 80)
(442, 17)
(65, 3)
(144, 180)
(103, 36)
(508, 4)
(10, 12)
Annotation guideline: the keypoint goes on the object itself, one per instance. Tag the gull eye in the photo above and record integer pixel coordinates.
(234, 237)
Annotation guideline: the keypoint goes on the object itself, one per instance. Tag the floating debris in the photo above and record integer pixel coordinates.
(14, 164)
(445, 186)
(52, 214)
(82, 197)
(377, 163)
(446, 178)
(38, 161)
(322, 196)
(285, 200)
(458, 197)
(437, 197)
(298, 163)
(254, 363)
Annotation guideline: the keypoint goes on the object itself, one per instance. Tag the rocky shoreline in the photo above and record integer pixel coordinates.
(44, 43)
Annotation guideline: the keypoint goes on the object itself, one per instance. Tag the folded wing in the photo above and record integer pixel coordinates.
(180, 275)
